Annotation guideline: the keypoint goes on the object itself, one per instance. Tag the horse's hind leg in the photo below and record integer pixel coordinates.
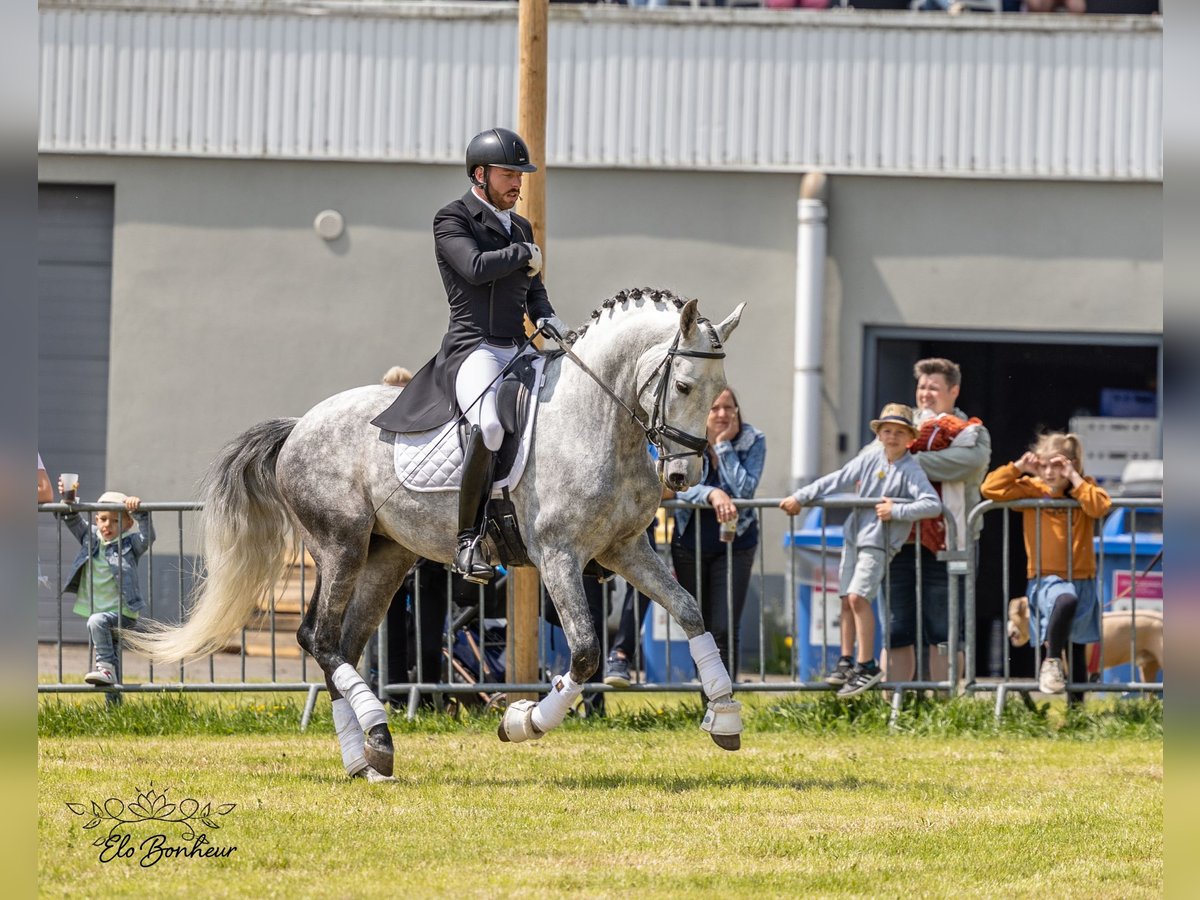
(637, 563)
(341, 555)
(380, 578)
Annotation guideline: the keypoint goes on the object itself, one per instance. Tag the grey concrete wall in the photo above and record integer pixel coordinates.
(228, 309)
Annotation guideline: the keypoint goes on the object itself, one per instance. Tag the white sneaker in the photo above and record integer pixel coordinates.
(1051, 679)
(101, 675)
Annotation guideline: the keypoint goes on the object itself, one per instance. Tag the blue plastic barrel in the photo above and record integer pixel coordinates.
(1116, 577)
(818, 633)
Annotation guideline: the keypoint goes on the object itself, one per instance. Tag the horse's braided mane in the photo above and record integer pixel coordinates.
(622, 298)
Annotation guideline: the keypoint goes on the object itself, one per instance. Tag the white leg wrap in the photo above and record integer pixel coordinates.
(366, 705)
(713, 677)
(552, 708)
(350, 737)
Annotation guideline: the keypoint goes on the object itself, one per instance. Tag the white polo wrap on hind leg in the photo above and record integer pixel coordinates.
(350, 737)
(552, 708)
(713, 677)
(367, 708)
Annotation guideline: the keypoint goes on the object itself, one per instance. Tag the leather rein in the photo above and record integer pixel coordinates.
(658, 431)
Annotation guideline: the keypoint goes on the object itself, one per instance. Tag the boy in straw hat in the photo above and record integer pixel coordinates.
(104, 576)
(888, 473)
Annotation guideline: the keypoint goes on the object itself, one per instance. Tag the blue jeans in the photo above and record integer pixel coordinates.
(100, 625)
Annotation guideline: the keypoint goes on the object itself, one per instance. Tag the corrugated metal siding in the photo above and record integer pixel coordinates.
(759, 90)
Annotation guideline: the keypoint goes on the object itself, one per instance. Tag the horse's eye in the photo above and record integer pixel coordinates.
(682, 388)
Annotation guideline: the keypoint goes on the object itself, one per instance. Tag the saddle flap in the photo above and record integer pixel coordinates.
(512, 396)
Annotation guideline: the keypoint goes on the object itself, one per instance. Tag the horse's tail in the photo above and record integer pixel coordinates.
(245, 536)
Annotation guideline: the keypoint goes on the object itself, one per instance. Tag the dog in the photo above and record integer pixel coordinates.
(1116, 628)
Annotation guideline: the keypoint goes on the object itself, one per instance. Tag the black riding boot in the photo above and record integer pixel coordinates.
(470, 561)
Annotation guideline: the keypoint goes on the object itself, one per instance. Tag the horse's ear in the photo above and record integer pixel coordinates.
(688, 317)
(725, 329)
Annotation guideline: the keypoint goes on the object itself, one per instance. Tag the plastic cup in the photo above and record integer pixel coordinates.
(729, 530)
(70, 483)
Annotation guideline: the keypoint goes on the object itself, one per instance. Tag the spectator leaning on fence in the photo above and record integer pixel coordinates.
(956, 468)
(885, 471)
(1062, 579)
(731, 468)
(104, 576)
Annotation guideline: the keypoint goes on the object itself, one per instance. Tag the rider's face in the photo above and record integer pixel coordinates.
(505, 186)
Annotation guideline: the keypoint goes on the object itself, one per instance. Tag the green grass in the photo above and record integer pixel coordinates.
(821, 800)
(817, 714)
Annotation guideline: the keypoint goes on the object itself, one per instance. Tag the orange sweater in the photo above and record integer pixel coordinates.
(1009, 483)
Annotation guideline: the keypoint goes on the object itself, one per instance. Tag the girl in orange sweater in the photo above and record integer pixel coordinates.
(1062, 582)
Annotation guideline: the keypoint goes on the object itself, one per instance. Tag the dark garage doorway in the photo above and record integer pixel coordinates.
(1017, 383)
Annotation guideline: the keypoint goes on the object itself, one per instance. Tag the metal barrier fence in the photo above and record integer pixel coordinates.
(778, 609)
(1006, 685)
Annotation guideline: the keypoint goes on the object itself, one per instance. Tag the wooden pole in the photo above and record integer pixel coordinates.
(532, 34)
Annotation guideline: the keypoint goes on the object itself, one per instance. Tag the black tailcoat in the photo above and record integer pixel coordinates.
(489, 291)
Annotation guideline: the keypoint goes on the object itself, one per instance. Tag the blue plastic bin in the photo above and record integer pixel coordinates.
(818, 640)
(1116, 540)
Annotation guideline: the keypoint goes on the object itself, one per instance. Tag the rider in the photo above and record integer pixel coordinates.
(490, 267)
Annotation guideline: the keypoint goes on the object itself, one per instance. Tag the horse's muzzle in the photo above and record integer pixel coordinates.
(677, 481)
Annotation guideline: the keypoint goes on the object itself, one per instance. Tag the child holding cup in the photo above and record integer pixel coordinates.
(104, 575)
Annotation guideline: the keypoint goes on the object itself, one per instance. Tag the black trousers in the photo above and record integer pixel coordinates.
(712, 590)
(437, 588)
(631, 618)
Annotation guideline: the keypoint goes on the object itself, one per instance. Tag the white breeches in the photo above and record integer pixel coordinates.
(475, 389)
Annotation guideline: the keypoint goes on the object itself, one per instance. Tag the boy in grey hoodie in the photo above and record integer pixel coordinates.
(889, 473)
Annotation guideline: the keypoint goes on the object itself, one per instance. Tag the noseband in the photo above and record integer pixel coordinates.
(658, 431)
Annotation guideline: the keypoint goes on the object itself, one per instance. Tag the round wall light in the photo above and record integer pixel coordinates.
(329, 224)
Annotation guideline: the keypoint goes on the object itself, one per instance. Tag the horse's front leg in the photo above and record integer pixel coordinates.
(638, 564)
(525, 720)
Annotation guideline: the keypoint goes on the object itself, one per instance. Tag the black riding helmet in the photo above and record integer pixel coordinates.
(498, 147)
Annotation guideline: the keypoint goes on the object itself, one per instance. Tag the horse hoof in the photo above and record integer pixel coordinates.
(378, 750)
(723, 722)
(727, 741)
(374, 777)
(516, 725)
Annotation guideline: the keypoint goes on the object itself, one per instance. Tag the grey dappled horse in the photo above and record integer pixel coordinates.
(588, 492)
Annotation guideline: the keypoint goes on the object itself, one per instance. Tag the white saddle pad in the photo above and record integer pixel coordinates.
(432, 460)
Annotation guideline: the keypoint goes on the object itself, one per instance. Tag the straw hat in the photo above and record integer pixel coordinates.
(897, 413)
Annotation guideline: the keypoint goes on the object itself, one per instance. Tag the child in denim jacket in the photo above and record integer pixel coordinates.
(104, 575)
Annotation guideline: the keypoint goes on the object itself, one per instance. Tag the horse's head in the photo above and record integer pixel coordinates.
(680, 390)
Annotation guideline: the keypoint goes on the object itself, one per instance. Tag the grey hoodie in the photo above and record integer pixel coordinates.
(870, 475)
(966, 464)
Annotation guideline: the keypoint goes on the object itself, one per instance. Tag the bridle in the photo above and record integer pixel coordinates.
(658, 431)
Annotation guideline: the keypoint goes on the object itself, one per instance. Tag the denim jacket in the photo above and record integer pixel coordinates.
(739, 467)
(122, 556)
